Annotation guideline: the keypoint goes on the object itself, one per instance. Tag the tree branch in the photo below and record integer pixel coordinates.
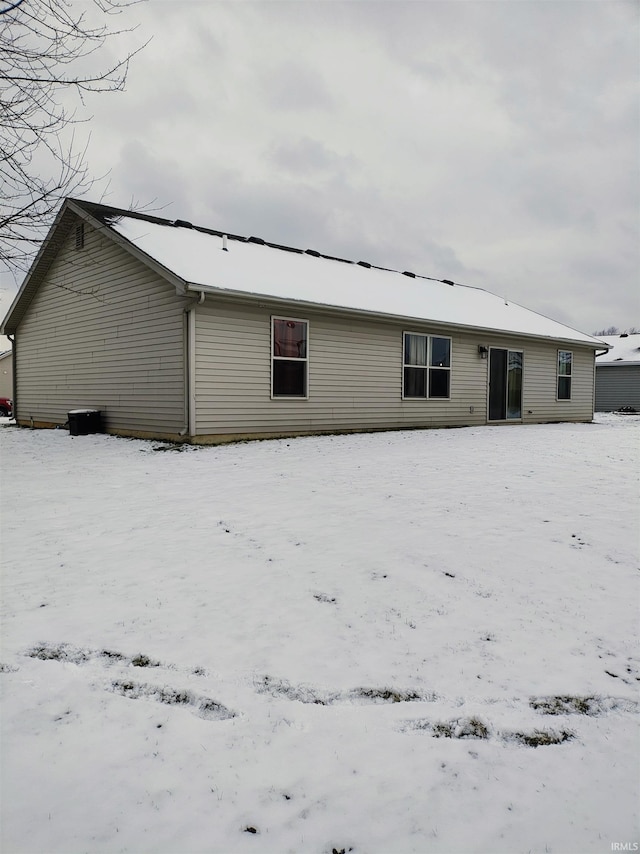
(42, 43)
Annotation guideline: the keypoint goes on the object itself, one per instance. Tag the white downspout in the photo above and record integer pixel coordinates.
(190, 427)
(191, 337)
(595, 375)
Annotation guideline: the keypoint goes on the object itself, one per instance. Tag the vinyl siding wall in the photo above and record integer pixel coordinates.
(617, 386)
(355, 376)
(540, 403)
(103, 332)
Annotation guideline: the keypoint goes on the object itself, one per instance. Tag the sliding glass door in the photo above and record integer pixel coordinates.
(505, 384)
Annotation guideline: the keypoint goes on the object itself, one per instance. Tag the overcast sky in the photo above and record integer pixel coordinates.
(492, 143)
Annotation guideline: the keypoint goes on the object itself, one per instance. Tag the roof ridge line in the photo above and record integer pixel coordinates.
(104, 212)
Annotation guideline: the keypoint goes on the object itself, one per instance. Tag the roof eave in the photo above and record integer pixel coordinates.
(248, 296)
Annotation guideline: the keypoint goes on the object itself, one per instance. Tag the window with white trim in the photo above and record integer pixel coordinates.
(289, 357)
(565, 370)
(426, 366)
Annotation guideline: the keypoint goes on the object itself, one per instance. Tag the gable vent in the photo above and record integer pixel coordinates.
(80, 236)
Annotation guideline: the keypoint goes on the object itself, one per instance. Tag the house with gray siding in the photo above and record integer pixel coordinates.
(6, 368)
(618, 373)
(183, 333)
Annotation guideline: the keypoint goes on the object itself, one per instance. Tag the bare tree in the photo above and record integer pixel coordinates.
(613, 330)
(46, 56)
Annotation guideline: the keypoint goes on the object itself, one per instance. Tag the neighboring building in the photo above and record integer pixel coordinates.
(618, 374)
(185, 333)
(6, 368)
(6, 374)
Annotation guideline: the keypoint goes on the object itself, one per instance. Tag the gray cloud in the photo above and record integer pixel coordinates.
(307, 157)
(494, 143)
(292, 86)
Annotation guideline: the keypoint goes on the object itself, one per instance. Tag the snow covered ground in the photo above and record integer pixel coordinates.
(399, 642)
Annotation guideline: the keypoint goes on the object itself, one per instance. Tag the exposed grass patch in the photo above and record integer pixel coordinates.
(61, 652)
(571, 705)
(204, 707)
(541, 738)
(173, 447)
(144, 661)
(306, 694)
(461, 728)
(111, 655)
(163, 695)
(322, 597)
(474, 728)
(299, 693)
(66, 652)
(389, 695)
(565, 705)
(211, 710)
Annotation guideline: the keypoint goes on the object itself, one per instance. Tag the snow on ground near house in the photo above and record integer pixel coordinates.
(397, 642)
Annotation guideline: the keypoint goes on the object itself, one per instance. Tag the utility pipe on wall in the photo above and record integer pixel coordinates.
(190, 379)
(14, 376)
(191, 367)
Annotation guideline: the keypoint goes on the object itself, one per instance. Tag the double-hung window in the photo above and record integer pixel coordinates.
(289, 357)
(426, 366)
(565, 369)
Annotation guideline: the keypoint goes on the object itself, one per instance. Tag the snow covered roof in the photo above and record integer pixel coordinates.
(201, 259)
(249, 266)
(625, 349)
